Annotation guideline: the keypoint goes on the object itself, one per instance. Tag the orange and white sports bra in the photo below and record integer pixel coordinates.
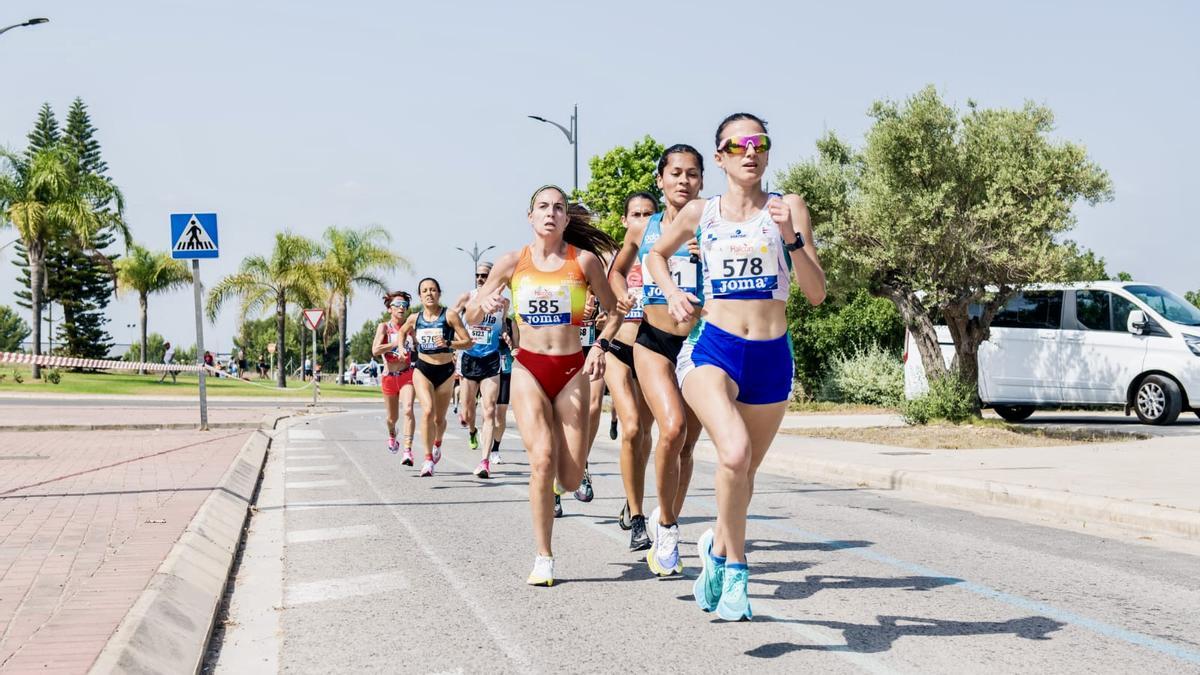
(549, 298)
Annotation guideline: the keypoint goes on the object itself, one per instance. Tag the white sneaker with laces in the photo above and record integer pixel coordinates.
(494, 457)
(543, 572)
(427, 469)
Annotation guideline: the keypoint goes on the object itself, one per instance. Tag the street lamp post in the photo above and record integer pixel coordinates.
(31, 22)
(572, 135)
(475, 254)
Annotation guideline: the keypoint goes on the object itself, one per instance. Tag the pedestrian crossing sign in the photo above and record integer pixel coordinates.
(194, 235)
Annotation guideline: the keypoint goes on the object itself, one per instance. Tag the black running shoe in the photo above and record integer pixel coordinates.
(623, 520)
(612, 428)
(638, 539)
(557, 506)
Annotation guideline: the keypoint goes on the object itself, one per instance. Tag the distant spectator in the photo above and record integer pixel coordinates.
(307, 368)
(262, 366)
(241, 364)
(168, 359)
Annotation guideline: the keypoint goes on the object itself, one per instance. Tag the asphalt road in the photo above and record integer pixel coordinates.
(353, 564)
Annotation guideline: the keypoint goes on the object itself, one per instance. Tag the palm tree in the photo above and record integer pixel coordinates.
(148, 272)
(260, 282)
(354, 258)
(46, 196)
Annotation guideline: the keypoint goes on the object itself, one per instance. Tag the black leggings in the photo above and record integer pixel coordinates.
(435, 373)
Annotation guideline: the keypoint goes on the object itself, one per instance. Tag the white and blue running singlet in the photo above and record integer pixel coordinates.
(486, 333)
(685, 273)
(742, 261)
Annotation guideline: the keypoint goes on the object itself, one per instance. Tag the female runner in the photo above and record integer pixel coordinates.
(552, 377)
(737, 374)
(628, 404)
(397, 379)
(437, 332)
(659, 339)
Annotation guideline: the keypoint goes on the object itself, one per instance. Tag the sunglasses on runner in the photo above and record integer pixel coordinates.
(740, 145)
(399, 303)
(481, 276)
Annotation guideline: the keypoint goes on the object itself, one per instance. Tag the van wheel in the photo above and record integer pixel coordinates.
(1157, 400)
(1014, 413)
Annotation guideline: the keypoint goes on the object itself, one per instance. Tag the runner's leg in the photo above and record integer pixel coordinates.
(535, 415)
(711, 394)
(488, 389)
(656, 375)
(572, 423)
(425, 395)
(407, 394)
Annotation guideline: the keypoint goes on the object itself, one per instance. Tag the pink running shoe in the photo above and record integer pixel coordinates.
(427, 469)
(437, 452)
(408, 457)
(483, 470)
(393, 445)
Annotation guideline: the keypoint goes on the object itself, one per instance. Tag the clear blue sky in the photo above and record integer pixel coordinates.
(304, 114)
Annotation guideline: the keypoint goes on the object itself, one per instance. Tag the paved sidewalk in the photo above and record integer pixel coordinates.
(86, 518)
(57, 416)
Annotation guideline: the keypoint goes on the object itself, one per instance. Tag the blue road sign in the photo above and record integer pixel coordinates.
(194, 235)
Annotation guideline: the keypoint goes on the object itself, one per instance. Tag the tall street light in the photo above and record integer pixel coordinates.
(572, 135)
(475, 254)
(31, 22)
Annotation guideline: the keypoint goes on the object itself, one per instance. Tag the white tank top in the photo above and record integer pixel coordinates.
(742, 261)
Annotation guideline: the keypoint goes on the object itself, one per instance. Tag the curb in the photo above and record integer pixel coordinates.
(1060, 503)
(170, 426)
(168, 627)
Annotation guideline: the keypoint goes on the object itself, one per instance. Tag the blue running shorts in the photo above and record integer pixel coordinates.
(761, 369)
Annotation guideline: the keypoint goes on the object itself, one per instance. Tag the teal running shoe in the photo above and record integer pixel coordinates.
(710, 581)
(735, 603)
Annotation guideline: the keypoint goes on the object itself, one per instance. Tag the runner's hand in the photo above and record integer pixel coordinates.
(492, 302)
(693, 245)
(589, 309)
(594, 366)
(625, 303)
(439, 342)
(781, 213)
(682, 306)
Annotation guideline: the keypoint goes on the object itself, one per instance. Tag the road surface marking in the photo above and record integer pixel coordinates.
(314, 467)
(305, 435)
(329, 533)
(315, 484)
(338, 589)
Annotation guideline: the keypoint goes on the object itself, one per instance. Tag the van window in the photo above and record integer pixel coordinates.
(1031, 309)
(1101, 310)
(1166, 303)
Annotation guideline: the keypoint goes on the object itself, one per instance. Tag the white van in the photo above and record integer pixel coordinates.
(1098, 344)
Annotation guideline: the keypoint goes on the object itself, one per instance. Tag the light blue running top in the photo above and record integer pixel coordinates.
(486, 333)
(687, 274)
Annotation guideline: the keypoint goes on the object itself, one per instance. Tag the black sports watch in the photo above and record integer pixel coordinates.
(796, 245)
(603, 344)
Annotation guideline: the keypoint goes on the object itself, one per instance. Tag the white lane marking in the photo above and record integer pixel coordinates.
(304, 506)
(313, 467)
(338, 589)
(505, 642)
(305, 435)
(330, 533)
(294, 456)
(315, 484)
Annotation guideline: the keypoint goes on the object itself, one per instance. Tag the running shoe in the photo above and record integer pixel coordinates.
(494, 457)
(612, 427)
(483, 470)
(437, 452)
(473, 440)
(655, 519)
(585, 492)
(735, 602)
(462, 421)
(393, 446)
(427, 468)
(557, 506)
(623, 520)
(543, 572)
(407, 457)
(559, 490)
(709, 583)
(663, 556)
(638, 539)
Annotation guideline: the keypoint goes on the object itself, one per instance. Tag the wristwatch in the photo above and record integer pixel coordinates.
(796, 245)
(603, 344)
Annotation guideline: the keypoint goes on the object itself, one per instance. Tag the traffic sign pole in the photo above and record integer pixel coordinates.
(200, 345)
(316, 381)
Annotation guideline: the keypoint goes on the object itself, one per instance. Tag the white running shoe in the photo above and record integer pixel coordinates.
(427, 469)
(653, 529)
(494, 457)
(543, 572)
(437, 453)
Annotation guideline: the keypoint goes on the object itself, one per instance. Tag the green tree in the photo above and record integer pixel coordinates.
(360, 342)
(145, 272)
(260, 282)
(354, 259)
(156, 346)
(617, 174)
(45, 197)
(256, 334)
(1193, 297)
(1123, 276)
(13, 330)
(942, 210)
(840, 327)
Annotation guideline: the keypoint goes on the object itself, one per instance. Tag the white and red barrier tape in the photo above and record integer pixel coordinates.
(99, 364)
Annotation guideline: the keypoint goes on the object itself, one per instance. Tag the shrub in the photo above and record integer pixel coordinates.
(53, 376)
(871, 376)
(950, 398)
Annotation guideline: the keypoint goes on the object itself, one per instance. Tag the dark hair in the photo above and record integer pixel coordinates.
(580, 232)
(734, 118)
(679, 148)
(435, 283)
(640, 195)
(387, 299)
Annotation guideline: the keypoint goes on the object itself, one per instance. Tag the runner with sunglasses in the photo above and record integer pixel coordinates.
(552, 376)
(619, 375)
(436, 332)
(397, 379)
(736, 372)
(680, 176)
(481, 370)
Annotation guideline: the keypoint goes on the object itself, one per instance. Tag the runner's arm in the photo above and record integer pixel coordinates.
(624, 261)
(593, 269)
(681, 305)
(462, 339)
(806, 266)
(378, 346)
(498, 278)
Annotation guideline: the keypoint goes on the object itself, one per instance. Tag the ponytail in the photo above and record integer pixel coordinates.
(580, 232)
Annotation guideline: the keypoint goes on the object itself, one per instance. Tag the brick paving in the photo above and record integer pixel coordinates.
(86, 518)
(22, 415)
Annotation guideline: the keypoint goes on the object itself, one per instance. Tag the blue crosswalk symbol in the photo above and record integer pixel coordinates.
(194, 235)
